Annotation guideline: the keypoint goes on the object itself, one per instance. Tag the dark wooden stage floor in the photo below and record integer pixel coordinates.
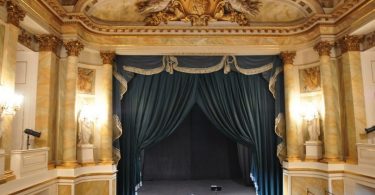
(193, 187)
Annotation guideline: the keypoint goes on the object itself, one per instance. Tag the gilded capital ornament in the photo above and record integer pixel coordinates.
(288, 57)
(48, 42)
(2, 2)
(15, 13)
(350, 43)
(323, 48)
(73, 48)
(107, 57)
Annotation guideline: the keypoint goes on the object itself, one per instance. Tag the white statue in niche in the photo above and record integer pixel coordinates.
(313, 127)
(86, 129)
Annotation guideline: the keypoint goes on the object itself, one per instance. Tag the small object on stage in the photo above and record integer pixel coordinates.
(216, 188)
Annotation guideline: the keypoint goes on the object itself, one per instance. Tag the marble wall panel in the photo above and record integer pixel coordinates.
(301, 185)
(92, 188)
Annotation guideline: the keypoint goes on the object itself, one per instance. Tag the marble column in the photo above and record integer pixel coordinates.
(291, 105)
(354, 96)
(47, 89)
(8, 73)
(69, 130)
(106, 130)
(331, 111)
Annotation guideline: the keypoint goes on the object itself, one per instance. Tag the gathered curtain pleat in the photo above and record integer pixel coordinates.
(240, 106)
(153, 108)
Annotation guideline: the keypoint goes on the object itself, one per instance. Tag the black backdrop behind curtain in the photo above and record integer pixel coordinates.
(241, 106)
(196, 150)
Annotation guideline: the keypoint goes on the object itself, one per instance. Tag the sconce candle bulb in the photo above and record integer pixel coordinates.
(9, 101)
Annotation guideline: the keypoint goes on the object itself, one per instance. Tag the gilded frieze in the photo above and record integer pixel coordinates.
(198, 12)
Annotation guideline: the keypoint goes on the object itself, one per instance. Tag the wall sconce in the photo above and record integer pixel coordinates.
(9, 101)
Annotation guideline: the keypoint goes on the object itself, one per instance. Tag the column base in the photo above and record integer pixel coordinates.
(293, 159)
(332, 160)
(352, 161)
(69, 164)
(9, 176)
(106, 162)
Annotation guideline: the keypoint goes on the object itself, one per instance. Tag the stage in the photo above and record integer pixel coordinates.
(194, 187)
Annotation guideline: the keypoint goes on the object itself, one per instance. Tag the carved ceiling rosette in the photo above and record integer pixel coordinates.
(198, 12)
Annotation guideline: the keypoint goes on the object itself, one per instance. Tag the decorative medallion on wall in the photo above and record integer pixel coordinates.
(310, 79)
(86, 81)
(198, 12)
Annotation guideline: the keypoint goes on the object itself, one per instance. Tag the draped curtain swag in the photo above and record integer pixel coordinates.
(235, 103)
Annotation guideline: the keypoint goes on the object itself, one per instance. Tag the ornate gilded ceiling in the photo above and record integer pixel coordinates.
(139, 12)
(209, 17)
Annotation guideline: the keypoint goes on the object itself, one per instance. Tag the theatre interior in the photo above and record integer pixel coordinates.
(187, 97)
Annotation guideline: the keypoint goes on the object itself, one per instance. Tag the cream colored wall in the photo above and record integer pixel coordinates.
(368, 73)
(26, 85)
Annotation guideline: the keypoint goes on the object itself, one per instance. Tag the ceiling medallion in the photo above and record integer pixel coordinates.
(198, 12)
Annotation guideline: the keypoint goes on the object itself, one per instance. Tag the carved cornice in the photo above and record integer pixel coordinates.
(25, 38)
(323, 48)
(73, 48)
(15, 13)
(288, 57)
(107, 57)
(313, 21)
(48, 42)
(349, 43)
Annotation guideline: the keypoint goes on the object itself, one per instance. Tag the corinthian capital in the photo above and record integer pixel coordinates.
(2, 2)
(107, 57)
(73, 48)
(15, 13)
(323, 48)
(349, 43)
(48, 42)
(288, 57)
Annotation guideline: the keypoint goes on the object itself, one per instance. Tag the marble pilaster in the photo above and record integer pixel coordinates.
(8, 72)
(291, 105)
(46, 101)
(331, 111)
(354, 98)
(106, 130)
(69, 105)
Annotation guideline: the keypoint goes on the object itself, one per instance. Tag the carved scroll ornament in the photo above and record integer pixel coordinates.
(198, 12)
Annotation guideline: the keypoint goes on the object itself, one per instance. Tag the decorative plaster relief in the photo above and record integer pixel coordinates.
(86, 81)
(310, 79)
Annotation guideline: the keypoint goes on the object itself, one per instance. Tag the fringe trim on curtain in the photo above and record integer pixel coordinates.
(280, 131)
(255, 183)
(272, 82)
(122, 80)
(251, 71)
(210, 69)
(170, 64)
(116, 135)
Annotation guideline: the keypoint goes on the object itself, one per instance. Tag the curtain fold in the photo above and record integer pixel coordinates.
(242, 104)
(243, 108)
(151, 110)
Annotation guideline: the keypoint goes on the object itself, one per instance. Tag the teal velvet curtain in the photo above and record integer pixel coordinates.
(243, 108)
(240, 105)
(152, 109)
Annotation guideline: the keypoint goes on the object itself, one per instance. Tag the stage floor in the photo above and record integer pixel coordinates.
(194, 187)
